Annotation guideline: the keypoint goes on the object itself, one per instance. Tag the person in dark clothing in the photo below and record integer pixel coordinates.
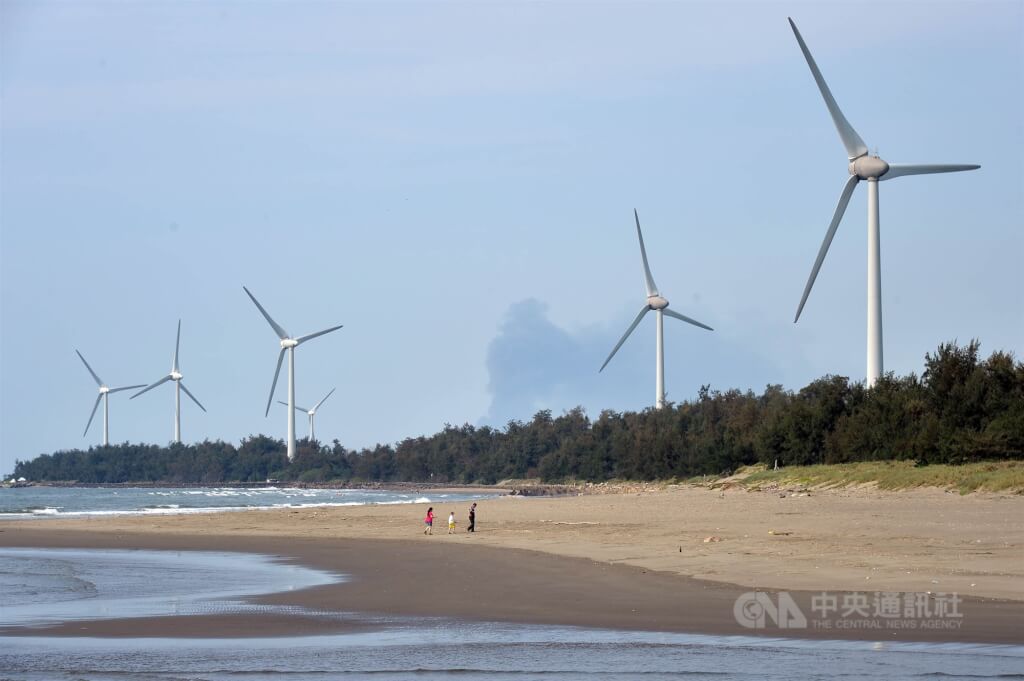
(472, 519)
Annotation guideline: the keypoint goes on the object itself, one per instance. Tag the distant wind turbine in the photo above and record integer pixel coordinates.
(287, 344)
(310, 413)
(175, 376)
(105, 396)
(657, 303)
(862, 166)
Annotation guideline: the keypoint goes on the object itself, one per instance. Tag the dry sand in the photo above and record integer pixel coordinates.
(626, 560)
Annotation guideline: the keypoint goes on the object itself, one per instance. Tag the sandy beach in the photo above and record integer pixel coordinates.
(673, 559)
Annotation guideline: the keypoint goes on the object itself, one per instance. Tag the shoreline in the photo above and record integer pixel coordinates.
(276, 484)
(388, 578)
(638, 561)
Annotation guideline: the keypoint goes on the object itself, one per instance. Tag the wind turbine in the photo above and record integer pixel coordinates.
(287, 344)
(862, 166)
(105, 396)
(657, 303)
(310, 413)
(175, 376)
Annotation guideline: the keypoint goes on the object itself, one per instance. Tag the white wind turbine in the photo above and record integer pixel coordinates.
(660, 306)
(105, 396)
(310, 413)
(175, 376)
(862, 166)
(287, 344)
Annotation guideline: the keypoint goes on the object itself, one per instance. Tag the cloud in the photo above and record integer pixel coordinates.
(535, 364)
(532, 363)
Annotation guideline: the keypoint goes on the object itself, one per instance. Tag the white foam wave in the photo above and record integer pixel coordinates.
(216, 500)
(49, 510)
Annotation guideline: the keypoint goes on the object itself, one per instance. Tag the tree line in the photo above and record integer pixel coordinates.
(960, 409)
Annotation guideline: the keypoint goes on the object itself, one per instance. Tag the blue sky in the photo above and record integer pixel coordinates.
(455, 184)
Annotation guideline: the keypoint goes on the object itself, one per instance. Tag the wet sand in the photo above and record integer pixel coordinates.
(623, 561)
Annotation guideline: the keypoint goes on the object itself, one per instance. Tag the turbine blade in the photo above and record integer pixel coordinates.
(652, 289)
(645, 310)
(94, 376)
(273, 386)
(150, 387)
(901, 169)
(311, 336)
(282, 334)
(844, 199)
(95, 405)
(297, 407)
(855, 146)
(177, 344)
(182, 384)
(127, 387)
(682, 317)
(317, 405)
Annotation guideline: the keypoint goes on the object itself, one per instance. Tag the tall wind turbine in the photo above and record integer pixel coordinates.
(175, 376)
(862, 166)
(287, 344)
(660, 306)
(105, 396)
(310, 413)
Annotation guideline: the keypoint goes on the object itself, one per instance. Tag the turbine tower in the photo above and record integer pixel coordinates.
(287, 344)
(105, 396)
(660, 306)
(175, 376)
(862, 166)
(310, 413)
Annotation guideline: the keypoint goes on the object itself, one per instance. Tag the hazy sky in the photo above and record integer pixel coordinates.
(455, 184)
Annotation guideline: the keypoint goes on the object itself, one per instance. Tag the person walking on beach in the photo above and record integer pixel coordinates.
(429, 521)
(451, 523)
(472, 518)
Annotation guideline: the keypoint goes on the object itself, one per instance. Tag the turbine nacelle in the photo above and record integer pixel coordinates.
(175, 375)
(868, 167)
(657, 302)
(287, 343)
(105, 391)
(862, 166)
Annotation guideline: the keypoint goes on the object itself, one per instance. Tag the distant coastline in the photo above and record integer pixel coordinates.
(962, 410)
(982, 476)
(389, 486)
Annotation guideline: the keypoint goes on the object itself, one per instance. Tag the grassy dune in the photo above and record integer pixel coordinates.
(1002, 476)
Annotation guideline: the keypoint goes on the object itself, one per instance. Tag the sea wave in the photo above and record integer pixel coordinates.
(32, 510)
(49, 510)
(178, 509)
(79, 502)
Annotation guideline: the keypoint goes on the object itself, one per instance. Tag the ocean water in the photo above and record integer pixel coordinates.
(42, 502)
(132, 582)
(45, 586)
(453, 650)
